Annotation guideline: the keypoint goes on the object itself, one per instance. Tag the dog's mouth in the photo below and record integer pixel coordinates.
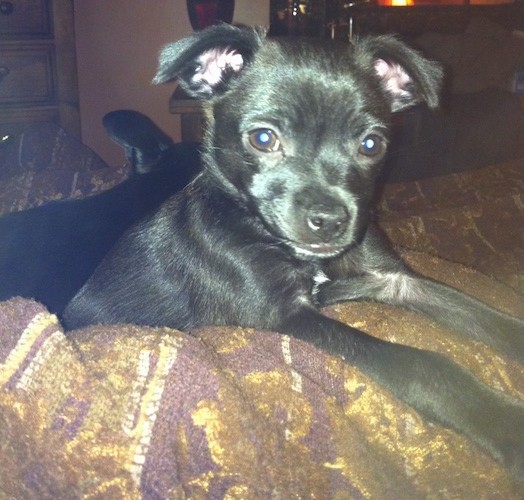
(318, 250)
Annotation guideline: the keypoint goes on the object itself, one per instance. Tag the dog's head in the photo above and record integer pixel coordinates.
(298, 128)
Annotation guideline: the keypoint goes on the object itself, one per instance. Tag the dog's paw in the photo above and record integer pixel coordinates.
(508, 439)
(446, 393)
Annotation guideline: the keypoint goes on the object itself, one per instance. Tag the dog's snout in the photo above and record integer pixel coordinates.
(327, 222)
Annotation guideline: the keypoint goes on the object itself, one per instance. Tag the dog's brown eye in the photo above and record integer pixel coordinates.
(265, 140)
(372, 145)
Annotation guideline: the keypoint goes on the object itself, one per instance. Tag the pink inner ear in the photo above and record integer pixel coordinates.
(394, 78)
(215, 62)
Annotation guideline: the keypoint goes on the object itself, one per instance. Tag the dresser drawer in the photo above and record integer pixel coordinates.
(26, 75)
(25, 18)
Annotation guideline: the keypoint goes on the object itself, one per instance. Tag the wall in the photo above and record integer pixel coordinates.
(117, 43)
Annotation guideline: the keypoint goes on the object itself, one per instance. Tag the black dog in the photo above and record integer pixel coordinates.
(47, 253)
(277, 225)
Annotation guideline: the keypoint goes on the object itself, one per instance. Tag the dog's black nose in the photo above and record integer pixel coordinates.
(327, 222)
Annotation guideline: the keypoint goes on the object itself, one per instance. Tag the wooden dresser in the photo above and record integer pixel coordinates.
(38, 80)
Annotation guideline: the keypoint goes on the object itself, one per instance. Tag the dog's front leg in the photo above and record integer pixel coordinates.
(466, 315)
(372, 271)
(437, 388)
(449, 307)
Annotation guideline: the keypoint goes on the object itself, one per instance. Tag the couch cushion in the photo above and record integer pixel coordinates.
(48, 147)
(485, 55)
(471, 130)
(46, 163)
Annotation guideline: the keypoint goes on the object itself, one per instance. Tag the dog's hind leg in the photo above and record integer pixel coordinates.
(437, 388)
(141, 139)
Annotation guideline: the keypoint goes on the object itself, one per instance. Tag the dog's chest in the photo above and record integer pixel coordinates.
(319, 278)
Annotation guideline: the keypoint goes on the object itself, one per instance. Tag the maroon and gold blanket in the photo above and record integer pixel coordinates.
(131, 412)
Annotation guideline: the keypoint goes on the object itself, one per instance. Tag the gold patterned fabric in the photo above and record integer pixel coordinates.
(131, 412)
(475, 218)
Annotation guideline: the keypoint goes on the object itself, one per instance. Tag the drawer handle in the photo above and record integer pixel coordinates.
(4, 71)
(6, 8)
(5, 138)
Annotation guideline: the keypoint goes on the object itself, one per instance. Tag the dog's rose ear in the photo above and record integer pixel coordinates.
(206, 61)
(406, 77)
